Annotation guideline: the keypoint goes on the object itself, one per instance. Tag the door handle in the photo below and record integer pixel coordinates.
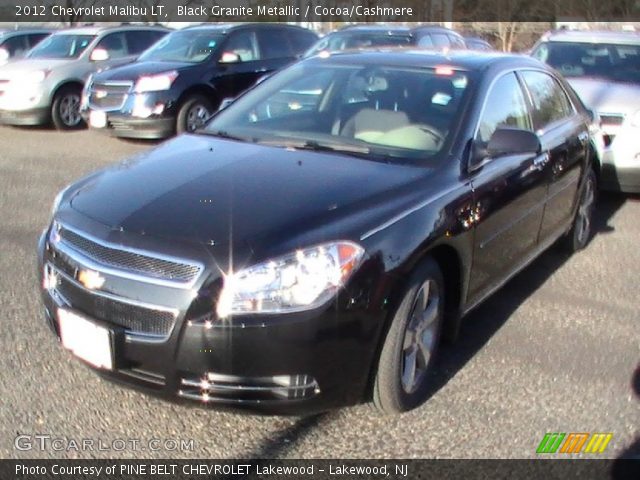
(541, 160)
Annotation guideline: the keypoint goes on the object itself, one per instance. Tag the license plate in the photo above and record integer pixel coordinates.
(85, 339)
(97, 119)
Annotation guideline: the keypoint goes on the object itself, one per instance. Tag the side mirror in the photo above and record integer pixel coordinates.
(504, 141)
(99, 55)
(229, 57)
(225, 103)
(4, 55)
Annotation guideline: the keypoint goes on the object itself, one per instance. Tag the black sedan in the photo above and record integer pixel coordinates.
(314, 243)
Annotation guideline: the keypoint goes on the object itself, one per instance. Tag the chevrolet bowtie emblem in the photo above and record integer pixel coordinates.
(90, 279)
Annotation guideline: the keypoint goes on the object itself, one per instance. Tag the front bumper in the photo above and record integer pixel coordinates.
(138, 115)
(620, 161)
(296, 364)
(34, 116)
(126, 126)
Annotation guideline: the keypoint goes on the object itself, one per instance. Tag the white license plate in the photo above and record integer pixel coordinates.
(88, 341)
(97, 119)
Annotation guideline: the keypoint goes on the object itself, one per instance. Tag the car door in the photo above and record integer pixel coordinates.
(564, 137)
(239, 64)
(509, 193)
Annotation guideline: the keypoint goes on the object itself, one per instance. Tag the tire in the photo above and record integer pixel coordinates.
(194, 110)
(65, 109)
(402, 377)
(582, 227)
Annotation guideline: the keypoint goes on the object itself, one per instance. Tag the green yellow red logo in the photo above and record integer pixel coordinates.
(574, 442)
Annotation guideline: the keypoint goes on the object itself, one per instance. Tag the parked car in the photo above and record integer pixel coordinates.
(604, 69)
(362, 36)
(16, 43)
(476, 43)
(176, 85)
(292, 260)
(434, 36)
(47, 84)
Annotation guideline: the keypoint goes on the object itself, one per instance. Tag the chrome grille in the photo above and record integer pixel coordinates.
(133, 318)
(109, 96)
(130, 261)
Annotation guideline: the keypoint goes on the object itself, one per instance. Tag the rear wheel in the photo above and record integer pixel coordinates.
(582, 228)
(402, 379)
(193, 113)
(65, 109)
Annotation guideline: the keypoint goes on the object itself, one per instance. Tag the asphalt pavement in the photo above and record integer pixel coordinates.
(556, 350)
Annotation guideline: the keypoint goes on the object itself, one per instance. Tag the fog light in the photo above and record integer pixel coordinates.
(49, 279)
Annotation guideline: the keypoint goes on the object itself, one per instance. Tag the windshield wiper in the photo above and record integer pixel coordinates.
(221, 134)
(317, 146)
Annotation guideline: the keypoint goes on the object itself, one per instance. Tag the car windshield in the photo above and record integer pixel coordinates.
(343, 41)
(62, 46)
(620, 63)
(399, 113)
(191, 46)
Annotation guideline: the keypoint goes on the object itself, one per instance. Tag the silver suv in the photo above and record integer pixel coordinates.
(47, 84)
(604, 69)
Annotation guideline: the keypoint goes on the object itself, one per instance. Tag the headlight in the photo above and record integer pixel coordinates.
(36, 76)
(635, 120)
(155, 83)
(299, 281)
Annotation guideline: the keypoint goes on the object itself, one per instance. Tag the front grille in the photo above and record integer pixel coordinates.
(133, 318)
(613, 119)
(109, 96)
(130, 261)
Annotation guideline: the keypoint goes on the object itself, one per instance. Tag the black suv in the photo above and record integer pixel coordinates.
(179, 82)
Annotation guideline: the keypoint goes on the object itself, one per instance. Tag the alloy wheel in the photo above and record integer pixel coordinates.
(420, 336)
(585, 211)
(69, 110)
(196, 117)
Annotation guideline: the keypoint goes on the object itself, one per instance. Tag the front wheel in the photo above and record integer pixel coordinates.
(65, 109)
(402, 379)
(193, 113)
(582, 228)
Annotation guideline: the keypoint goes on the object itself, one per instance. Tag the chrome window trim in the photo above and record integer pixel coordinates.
(83, 259)
(525, 93)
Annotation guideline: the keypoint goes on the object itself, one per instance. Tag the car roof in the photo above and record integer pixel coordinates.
(373, 29)
(25, 31)
(97, 30)
(224, 28)
(582, 36)
(410, 57)
(434, 28)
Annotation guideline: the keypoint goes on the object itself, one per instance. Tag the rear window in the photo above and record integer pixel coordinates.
(609, 61)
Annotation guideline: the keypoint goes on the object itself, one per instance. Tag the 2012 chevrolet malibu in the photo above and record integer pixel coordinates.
(311, 246)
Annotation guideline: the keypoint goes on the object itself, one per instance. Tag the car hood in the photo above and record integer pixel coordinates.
(135, 70)
(607, 96)
(16, 68)
(210, 190)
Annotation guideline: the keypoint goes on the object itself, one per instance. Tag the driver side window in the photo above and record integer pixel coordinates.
(244, 45)
(505, 106)
(114, 44)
